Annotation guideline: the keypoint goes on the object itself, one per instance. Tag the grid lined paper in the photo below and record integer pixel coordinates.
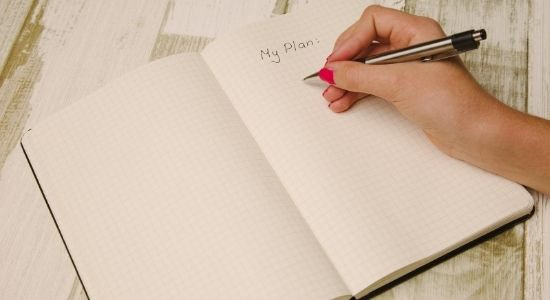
(161, 193)
(378, 196)
(160, 188)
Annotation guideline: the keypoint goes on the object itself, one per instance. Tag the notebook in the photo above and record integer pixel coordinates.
(223, 175)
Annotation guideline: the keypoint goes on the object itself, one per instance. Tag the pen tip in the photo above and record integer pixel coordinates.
(311, 76)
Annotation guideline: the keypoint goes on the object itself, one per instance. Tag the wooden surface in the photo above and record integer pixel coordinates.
(52, 52)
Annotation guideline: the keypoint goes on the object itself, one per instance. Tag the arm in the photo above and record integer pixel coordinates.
(455, 112)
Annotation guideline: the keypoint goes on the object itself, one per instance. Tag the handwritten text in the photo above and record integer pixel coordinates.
(275, 55)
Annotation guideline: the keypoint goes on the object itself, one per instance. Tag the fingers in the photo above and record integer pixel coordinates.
(341, 100)
(345, 102)
(333, 93)
(344, 36)
(373, 49)
(376, 21)
(378, 30)
(386, 25)
(380, 80)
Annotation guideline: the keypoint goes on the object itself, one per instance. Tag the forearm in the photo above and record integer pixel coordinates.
(457, 115)
(509, 143)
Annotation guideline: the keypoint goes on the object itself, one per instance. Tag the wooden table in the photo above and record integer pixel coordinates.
(53, 52)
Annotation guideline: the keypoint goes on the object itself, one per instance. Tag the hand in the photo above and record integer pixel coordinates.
(442, 97)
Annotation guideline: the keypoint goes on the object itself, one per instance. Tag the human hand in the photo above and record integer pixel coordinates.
(442, 97)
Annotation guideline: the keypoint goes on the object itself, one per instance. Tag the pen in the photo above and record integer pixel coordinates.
(428, 51)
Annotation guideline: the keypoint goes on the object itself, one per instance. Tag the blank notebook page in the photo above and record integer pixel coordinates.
(380, 198)
(160, 192)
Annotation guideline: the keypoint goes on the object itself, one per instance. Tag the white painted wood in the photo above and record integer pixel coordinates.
(539, 59)
(537, 256)
(34, 263)
(15, 49)
(537, 236)
(295, 5)
(78, 45)
(12, 16)
(209, 18)
(500, 64)
(83, 45)
(493, 269)
(29, 246)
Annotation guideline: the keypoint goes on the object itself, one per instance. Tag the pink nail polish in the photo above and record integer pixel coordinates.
(327, 75)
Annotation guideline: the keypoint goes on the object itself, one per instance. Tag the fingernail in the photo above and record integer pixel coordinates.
(325, 91)
(327, 75)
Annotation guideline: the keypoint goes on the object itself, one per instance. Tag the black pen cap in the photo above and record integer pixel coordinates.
(468, 40)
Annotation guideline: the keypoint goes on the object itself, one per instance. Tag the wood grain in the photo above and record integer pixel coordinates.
(75, 47)
(13, 16)
(28, 248)
(79, 46)
(537, 231)
(52, 52)
(495, 267)
(500, 64)
(21, 66)
(173, 39)
(209, 18)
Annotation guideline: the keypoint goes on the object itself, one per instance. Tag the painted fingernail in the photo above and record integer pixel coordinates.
(327, 75)
(325, 91)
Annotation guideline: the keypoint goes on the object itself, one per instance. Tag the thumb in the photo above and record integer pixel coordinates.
(379, 80)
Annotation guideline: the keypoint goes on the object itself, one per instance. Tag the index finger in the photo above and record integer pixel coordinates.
(386, 25)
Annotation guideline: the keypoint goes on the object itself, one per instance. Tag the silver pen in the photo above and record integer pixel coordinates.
(428, 51)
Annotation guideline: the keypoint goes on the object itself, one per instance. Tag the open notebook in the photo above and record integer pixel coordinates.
(222, 174)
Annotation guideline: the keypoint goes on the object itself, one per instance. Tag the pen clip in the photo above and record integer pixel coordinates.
(442, 56)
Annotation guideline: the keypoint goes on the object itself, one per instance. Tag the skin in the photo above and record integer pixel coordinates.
(456, 113)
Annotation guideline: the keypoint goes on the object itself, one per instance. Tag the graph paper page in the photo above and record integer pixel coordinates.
(379, 197)
(160, 192)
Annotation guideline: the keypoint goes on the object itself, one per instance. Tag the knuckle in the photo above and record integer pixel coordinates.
(341, 38)
(432, 25)
(429, 28)
(370, 10)
(429, 22)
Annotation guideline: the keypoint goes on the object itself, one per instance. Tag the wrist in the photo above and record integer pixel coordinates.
(508, 143)
(484, 130)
